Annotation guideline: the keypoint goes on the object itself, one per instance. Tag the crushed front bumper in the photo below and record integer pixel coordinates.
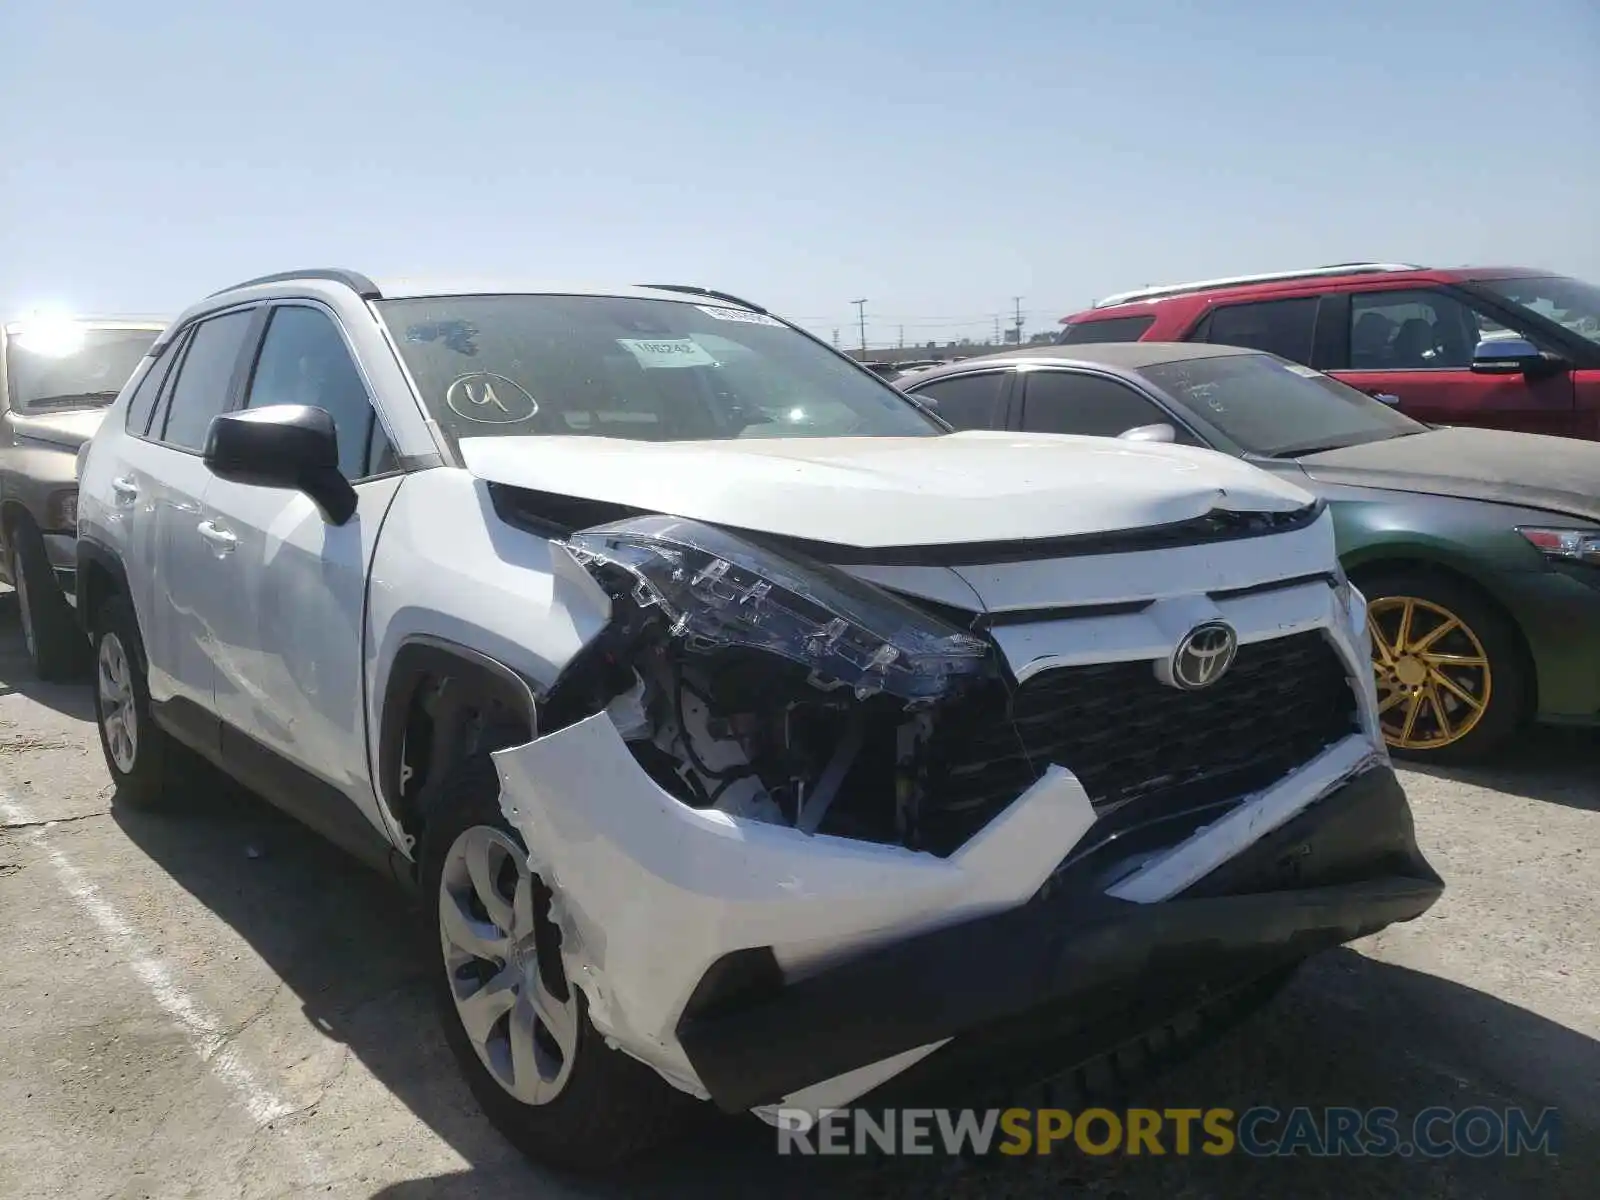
(1347, 867)
(751, 964)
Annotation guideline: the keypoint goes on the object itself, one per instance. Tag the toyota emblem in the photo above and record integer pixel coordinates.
(1204, 655)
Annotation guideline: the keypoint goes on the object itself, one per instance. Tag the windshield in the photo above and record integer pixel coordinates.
(645, 370)
(1568, 302)
(73, 367)
(1276, 408)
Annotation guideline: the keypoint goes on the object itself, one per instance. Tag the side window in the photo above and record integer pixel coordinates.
(1415, 330)
(1113, 329)
(143, 402)
(1281, 327)
(204, 379)
(304, 361)
(1089, 405)
(968, 401)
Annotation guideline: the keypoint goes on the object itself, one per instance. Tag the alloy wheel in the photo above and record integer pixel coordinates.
(501, 959)
(1434, 677)
(119, 714)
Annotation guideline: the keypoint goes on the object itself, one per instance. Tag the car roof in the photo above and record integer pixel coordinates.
(1307, 279)
(1122, 356)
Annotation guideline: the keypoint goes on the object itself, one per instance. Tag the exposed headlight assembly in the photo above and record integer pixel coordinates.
(717, 589)
(1565, 545)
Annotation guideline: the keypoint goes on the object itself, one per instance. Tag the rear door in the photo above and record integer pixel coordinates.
(1413, 347)
(166, 478)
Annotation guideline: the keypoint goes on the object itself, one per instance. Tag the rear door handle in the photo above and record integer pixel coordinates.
(125, 490)
(221, 540)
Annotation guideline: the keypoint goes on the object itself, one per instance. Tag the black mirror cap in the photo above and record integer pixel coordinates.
(289, 446)
(1512, 356)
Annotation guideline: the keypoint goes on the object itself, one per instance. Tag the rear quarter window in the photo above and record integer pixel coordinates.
(1113, 329)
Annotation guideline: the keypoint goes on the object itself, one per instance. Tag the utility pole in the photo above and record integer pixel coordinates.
(835, 339)
(997, 329)
(861, 315)
(902, 337)
(1017, 300)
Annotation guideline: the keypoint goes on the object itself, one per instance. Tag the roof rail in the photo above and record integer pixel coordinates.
(694, 290)
(356, 282)
(1178, 289)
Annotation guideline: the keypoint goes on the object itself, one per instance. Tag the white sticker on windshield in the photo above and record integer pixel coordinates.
(742, 315)
(667, 352)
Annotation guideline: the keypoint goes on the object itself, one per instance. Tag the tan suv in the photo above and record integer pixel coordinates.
(57, 378)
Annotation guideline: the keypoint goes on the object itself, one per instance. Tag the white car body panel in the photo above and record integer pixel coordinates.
(885, 492)
(650, 891)
(285, 629)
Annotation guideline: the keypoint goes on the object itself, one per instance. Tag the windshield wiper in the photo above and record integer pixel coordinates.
(70, 400)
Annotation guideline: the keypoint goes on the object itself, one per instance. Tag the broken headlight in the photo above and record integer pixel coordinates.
(718, 590)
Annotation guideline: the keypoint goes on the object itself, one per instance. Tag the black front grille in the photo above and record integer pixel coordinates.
(1140, 748)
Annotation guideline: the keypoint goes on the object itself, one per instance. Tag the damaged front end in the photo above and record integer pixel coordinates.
(767, 688)
(784, 815)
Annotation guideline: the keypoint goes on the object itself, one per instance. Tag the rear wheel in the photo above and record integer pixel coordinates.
(1452, 685)
(148, 767)
(518, 1027)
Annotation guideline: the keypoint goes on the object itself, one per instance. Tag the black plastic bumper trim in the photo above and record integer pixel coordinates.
(1346, 867)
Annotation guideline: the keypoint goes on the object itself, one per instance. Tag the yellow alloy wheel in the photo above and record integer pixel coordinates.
(1434, 678)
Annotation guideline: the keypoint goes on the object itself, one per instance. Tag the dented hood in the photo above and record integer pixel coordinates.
(884, 492)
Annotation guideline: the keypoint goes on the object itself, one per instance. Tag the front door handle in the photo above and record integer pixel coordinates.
(221, 540)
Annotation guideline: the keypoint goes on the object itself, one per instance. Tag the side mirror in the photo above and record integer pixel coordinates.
(1149, 433)
(289, 446)
(1508, 356)
(923, 400)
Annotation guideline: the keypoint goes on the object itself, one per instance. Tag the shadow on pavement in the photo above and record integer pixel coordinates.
(70, 699)
(1350, 1031)
(1555, 765)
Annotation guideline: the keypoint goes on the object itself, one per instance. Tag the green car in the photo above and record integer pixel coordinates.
(1478, 550)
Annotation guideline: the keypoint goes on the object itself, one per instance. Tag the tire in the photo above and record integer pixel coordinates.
(596, 1107)
(151, 770)
(57, 648)
(1436, 705)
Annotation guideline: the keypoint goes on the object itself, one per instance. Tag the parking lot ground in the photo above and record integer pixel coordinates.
(212, 1002)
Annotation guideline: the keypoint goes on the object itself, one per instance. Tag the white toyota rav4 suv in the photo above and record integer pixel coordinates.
(749, 736)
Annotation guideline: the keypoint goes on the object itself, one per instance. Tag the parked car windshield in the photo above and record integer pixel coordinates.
(1276, 408)
(641, 369)
(1569, 302)
(62, 366)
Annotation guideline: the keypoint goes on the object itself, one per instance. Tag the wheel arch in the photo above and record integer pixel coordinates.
(1385, 560)
(442, 700)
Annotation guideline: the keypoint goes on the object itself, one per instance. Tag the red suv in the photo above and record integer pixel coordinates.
(1501, 347)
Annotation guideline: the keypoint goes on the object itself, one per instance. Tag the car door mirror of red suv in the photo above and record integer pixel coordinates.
(1513, 356)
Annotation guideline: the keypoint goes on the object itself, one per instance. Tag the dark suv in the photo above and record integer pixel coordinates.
(1499, 347)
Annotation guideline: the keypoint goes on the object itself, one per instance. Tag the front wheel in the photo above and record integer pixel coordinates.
(57, 648)
(1451, 682)
(519, 1029)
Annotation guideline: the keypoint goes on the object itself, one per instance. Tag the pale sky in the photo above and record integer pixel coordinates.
(937, 158)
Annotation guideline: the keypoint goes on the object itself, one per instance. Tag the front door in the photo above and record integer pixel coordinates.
(1415, 347)
(288, 645)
